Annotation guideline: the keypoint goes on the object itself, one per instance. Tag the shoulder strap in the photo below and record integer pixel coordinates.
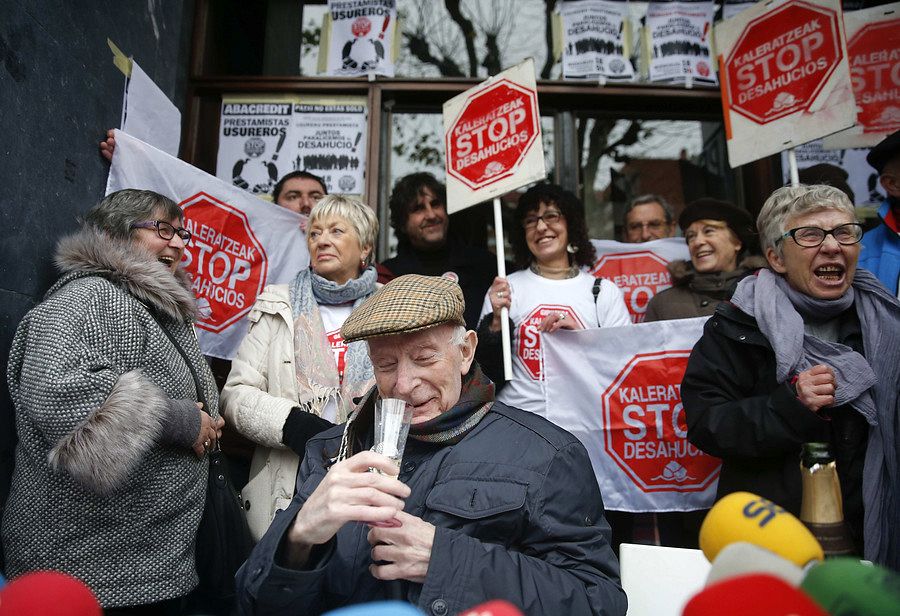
(197, 382)
(598, 282)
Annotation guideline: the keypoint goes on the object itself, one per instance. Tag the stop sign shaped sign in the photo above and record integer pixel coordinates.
(528, 341)
(226, 263)
(640, 275)
(874, 53)
(492, 134)
(646, 430)
(782, 60)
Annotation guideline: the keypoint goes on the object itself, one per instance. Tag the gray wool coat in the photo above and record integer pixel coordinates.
(106, 486)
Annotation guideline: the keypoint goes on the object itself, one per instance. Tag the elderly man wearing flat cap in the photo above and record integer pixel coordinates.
(881, 246)
(491, 502)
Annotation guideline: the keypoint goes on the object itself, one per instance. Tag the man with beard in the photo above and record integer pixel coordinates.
(418, 206)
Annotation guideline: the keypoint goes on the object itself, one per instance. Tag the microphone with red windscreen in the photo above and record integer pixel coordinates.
(496, 607)
(48, 592)
(752, 595)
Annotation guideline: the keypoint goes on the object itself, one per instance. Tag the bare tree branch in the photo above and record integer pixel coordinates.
(468, 30)
(492, 61)
(418, 47)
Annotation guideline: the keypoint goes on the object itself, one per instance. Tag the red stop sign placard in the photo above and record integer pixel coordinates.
(874, 54)
(640, 275)
(492, 134)
(528, 346)
(226, 263)
(646, 431)
(782, 61)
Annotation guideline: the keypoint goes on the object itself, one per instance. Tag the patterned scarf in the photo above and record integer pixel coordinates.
(475, 400)
(317, 375)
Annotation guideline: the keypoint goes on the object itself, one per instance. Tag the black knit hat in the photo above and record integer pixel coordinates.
(882, 153)
(737, 219)
(831, 175)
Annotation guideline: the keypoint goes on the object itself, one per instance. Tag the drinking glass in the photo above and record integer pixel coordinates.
(392, 418)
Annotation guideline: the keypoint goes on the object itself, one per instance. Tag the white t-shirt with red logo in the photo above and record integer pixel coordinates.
(333, 318)
(533, 297)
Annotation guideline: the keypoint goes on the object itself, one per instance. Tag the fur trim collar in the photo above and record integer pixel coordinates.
(91, 252)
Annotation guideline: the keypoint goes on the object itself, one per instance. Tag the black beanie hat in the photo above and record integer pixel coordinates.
(737, 219)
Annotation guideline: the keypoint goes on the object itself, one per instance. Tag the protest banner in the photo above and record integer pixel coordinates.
(594, 46)
(252, 135)
(329, 140)
(678, 43)
(873, 46)
(240, 243)
(639, 270)
(785, 77)
(618, 390)
(492, 134)
(359, 37)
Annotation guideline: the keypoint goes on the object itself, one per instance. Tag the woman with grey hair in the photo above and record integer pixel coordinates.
(807, 351)
(293, 376)
(111, 467)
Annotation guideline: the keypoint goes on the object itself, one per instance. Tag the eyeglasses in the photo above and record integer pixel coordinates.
(165, 230)
(653, 225)
(549, 217)
(810, 237)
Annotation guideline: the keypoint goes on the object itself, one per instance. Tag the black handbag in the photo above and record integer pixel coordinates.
(223, 538)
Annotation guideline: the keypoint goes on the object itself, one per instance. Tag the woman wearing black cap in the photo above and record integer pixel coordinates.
(721, 240)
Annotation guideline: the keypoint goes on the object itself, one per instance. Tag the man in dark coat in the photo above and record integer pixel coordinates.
(419, 218)
(491, 502)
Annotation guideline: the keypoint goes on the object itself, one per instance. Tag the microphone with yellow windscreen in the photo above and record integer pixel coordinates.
(742, 516)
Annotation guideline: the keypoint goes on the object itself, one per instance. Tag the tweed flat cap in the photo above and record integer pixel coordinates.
(406, 304)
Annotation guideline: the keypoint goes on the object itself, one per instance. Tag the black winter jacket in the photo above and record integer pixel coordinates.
(518, 516)
(736, 410)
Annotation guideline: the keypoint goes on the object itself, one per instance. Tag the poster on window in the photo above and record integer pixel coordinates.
(678, 36)
(594, 40)
(873, 46)
(618, 390)
(861, 177)
(329, 140)
(253, 138)
(360, 37)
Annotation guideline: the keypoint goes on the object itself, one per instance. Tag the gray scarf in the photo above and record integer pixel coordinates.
(869, 388)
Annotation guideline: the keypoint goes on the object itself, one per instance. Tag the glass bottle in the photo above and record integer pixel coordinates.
(821, 507)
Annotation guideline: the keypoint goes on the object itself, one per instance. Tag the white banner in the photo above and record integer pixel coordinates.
(638, 269)
(679, 34)
(252, 136)
(240, 243)
(594, 40)
(330, 142)
(148, 114)
(618, 390)
(361, 37)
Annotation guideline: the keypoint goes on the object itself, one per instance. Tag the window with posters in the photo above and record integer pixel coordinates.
(606, 139)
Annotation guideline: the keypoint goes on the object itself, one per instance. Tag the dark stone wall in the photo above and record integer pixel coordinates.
(59, 93)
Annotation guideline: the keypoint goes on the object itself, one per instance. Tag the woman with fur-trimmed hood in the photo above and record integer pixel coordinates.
(723, 246)
(111, 466)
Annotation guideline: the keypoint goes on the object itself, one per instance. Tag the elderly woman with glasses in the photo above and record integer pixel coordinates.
(111, 466)
(807, 351)
(293, 375)
(551, 292)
